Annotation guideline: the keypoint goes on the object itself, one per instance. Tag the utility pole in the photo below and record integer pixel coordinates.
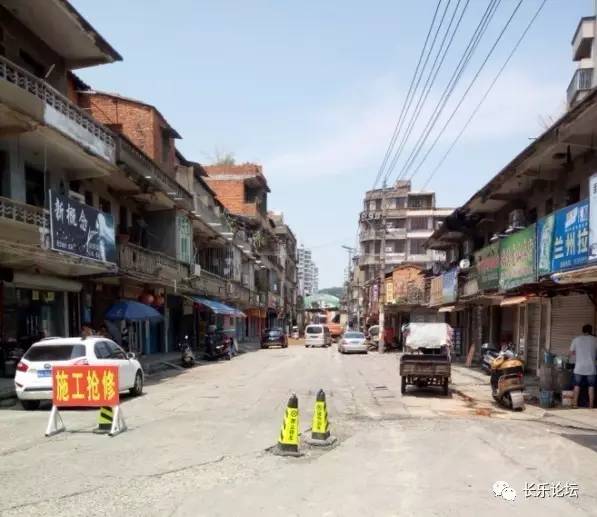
(349, 278)
(382, 270)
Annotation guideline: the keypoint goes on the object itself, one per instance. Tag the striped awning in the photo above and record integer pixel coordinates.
(219, 307)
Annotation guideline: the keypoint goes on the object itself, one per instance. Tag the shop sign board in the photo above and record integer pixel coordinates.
(450, 286)
(593, 218)
(81, 230)
(436, 295)
(517, 259)
(487, 262)
(85, 386)
(570, 237)
(545, 227)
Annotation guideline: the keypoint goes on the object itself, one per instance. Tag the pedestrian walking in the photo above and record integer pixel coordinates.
(584, 351)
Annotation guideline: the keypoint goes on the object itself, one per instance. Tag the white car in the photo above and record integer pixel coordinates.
(317, 336)
(33, 379)
(353, 342)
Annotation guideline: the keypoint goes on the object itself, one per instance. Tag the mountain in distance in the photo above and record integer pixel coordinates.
(334, 291)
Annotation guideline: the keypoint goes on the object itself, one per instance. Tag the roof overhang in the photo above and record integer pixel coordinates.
(64, 30)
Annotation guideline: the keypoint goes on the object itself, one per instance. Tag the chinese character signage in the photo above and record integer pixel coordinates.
(450, 286)
(487, 262)
(544, 244)
(84, 385)
(81, 229)
(593, 218)
(570, 237)
(517, 259)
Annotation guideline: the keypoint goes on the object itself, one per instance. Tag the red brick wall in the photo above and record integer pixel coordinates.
(231, 194)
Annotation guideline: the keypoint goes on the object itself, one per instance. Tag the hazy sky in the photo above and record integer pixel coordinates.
(312, 90)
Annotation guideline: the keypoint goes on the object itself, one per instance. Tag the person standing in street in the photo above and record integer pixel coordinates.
(584, 351)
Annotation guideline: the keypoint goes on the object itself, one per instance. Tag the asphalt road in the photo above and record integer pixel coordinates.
(197, 446)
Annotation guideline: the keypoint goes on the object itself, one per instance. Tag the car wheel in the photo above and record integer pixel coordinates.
(137, 388)
(30, 405)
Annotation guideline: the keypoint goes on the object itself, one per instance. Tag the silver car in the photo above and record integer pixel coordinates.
(353, 342)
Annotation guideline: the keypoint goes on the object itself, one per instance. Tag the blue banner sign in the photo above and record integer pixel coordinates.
(570, 237)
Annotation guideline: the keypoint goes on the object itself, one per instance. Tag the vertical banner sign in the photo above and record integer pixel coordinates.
(81, 230)
(517, 259)
(545, 227)
(571, 237)
(450, 286)
(84, 386)
(487, 261)
(593, 218)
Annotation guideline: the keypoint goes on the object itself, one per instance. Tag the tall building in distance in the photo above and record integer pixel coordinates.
(307, 272)
(411, 218)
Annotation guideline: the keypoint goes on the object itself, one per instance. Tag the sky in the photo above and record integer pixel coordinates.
(313, 90)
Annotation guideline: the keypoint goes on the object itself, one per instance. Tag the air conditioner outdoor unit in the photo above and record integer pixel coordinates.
(196, 270)
(517, 219)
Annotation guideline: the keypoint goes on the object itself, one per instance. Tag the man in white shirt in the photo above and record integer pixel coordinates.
(584, 351)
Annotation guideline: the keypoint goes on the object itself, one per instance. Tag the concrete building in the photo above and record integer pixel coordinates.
(584, 53)
(308, 274)
(411, 217)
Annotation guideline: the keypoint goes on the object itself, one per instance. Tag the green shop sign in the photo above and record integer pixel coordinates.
(517, 259)
(487, 263)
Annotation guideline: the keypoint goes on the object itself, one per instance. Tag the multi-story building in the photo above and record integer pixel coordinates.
(584, 53)
(410, 218)
(307, 272)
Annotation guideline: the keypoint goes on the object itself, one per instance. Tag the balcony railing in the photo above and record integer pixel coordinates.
(14, 74)
(23, 213)
(151, 171)
(136, 259)
(582, 81)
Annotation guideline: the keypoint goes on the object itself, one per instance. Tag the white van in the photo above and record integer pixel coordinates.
(317, 335)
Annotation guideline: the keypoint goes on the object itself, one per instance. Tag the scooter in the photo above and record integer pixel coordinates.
(488, 354)
(187, 354)
(218, 347)
(507, 380)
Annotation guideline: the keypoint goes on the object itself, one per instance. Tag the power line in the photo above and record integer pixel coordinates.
(487, 92)
(412, 81)
(464, 95)
(432, 76)
(452, 83)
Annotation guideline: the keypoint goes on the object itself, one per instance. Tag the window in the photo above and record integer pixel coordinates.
(31, 64)
(417, 247)
(378, 204)
(400, 202)
(34, 185)
(123, 220)
(573, 195)
(4, 175)
(399, 246)
(89, 198)
(419, 202)
(367, 248)
(55, 352)
(115, 351)
(418, 223)
(377, 247)
(438, 223)
(548, 206)
(184, 239)
(532, 216)
(165, 146)
(101, 350)
(117, 128)
(105, 206)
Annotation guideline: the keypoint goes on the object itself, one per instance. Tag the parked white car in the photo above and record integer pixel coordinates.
(353, 342)
(33, 379)
(317, 336)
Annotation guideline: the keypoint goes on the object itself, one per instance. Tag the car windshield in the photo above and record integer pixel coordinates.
(273, 332)
(354, 335)
(314, 330)
(55, 352)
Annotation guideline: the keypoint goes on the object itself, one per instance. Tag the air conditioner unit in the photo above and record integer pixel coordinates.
(517, 219)
(196, 270)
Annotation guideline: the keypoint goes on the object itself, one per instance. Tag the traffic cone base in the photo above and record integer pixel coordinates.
(327, 442)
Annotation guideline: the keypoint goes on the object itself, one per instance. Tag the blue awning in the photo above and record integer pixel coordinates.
(219, 307)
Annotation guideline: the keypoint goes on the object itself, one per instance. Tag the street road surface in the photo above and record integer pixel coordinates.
(197, 446)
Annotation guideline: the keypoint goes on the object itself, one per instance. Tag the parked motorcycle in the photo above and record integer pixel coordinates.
(488, 354)
(218, 346)
(507, 380)
(187, 354)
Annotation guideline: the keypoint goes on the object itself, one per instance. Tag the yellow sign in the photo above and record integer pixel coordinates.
(290, 427)
(320, 418)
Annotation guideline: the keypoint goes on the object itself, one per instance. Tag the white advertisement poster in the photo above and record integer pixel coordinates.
(593, 218)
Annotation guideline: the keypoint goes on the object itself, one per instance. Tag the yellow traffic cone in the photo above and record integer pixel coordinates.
(320, 427)
(288, 442)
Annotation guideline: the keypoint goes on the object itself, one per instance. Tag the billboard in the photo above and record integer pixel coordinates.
(450, 286)
(570, 237)
(81, 230)
(545, 244)
(487, 262)
(517, 259)
(593, 218)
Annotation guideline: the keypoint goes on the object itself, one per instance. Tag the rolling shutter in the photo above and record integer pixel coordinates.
(568, 315)
(533, 334)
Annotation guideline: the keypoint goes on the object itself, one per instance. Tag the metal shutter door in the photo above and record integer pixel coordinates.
(568, 315)
(534, 330)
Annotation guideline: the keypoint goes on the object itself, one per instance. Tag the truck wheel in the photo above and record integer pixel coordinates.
(403, 386)
(446, 388)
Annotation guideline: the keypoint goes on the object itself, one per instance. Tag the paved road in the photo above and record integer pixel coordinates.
(197, 446)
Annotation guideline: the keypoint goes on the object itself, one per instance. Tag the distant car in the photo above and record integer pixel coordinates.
(33, 378)
(274, 337)
(317, 336)
(353, 342)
